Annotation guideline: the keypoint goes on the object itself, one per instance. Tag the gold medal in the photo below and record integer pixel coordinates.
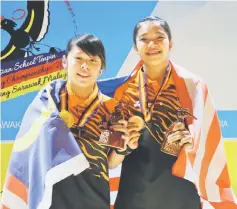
(138, 121)
(67, 117)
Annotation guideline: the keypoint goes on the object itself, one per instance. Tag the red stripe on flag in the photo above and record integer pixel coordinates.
(4, 207)
(210, 149)
(226, 194)
(224, 205)
(185, 100)
(114, 184)
(15, 186)
(223, 180)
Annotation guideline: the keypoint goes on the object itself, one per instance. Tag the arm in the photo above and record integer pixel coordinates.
(115, 159)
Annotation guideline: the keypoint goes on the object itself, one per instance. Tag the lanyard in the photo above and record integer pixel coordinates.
(143, 94)
(87, 113)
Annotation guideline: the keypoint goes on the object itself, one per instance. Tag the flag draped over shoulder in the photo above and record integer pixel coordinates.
(204, 165)
(44, 153)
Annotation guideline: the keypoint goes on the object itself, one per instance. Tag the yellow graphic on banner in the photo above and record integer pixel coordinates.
(5, 153)
(231, 157)
(31, 85)
(31, 21)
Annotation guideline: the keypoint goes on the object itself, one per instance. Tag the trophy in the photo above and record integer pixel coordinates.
(109, 137)
(173, 148)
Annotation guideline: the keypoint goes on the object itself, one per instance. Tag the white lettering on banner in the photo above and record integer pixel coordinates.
(26, 64)
(19, 65)
(47, 58)
(10, 124)
(4, 71)
(38, 59)
(223, 123)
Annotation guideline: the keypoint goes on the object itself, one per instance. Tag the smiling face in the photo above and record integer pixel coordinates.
(83, 69)
(152, 43)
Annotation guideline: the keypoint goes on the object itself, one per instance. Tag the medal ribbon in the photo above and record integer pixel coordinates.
(143, 94)
(88, 112)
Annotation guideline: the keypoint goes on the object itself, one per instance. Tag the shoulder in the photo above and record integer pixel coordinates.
(194, 84)
(130, 84)
(187, 75)
(108, 102)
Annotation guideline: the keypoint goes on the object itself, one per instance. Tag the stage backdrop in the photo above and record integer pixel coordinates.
(34, 36)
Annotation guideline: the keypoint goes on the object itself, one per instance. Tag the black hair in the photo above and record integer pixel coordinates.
(89, 44)
(162, 22)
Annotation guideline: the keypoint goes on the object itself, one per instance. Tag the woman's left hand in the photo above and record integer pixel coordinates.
(181, 134)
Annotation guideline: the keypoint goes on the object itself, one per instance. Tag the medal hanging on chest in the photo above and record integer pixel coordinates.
(68, 118)
(64, 114)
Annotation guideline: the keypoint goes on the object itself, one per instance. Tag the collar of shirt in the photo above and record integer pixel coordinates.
(154, 84)
(80, 103)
